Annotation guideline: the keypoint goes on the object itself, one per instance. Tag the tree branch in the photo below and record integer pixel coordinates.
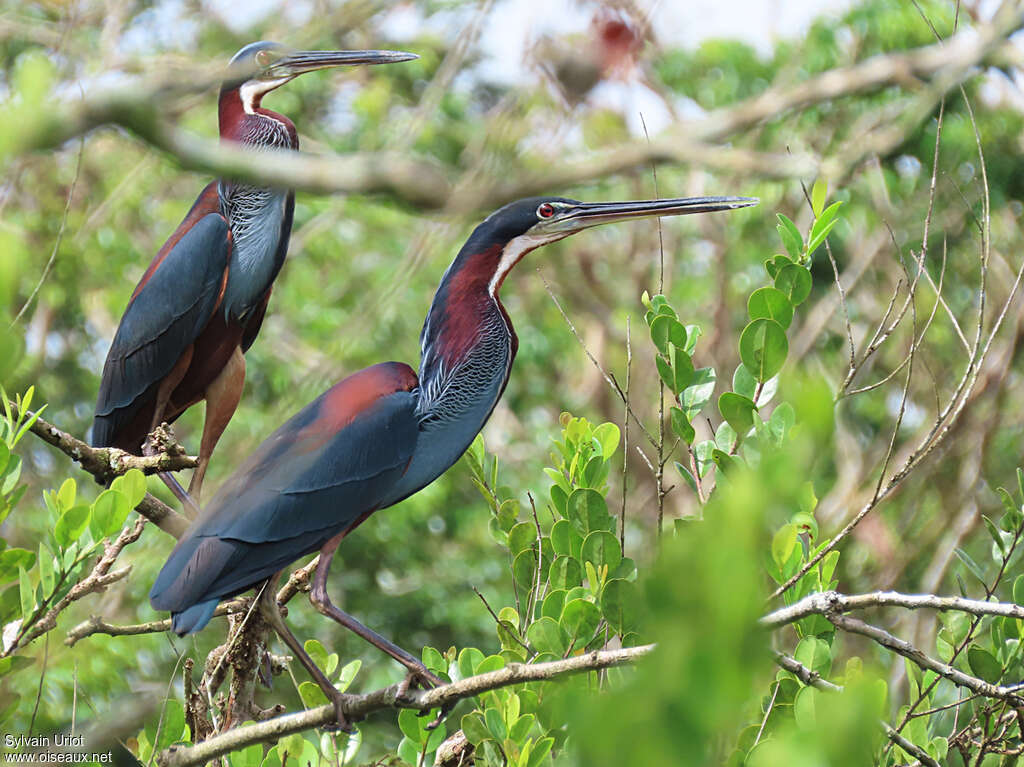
(424, 184)
(358, 706)
(96, 624)
(97, 580)
(105, 462)
(814, 679)
(832, 602)
(1011, 694)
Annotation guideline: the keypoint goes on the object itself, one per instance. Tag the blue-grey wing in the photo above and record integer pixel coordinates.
(321, 473)
(171, 307)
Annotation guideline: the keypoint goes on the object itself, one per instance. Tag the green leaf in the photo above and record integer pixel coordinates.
(970, 564)
(66, 494)
(490, 663)
(409, 724)
(565, 573)
(5, 456)
(795, 282)
(815, 654)
(687, 475)
(348, 672)
(619, 604)
(13, 558)
(743, 382)
(819, 192)
(1018, 590)
(474, 728)
(666, 331)
(698, 393)
(781, 421)
(702, 453)
(993, 532)
(131, 484)
(772, 304)
(790, 236)
(553, 603)
(522, 537)
(46, 571)
(311, 694)
(109, 512)
(540, 751)
(172, 725)
(495, 724)
(775, 263)
(607, 435)
(518, 732)
(27, 594)
(564, 540)
(524, 569)
(469, 659)
(580, 618)
(601, 547)
(433, 660)
(681, 426)
(783, 543)
(984, 664)
(588, 511)
(545, 635)
(738, 411)
(763, 348)
(71, 525)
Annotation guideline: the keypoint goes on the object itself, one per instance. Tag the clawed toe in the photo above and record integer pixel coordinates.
(341, 721)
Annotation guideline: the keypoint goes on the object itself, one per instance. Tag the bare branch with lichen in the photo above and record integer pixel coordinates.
(358, 706)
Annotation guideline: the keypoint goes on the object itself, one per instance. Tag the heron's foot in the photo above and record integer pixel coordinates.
(422, 678)
(418, 678)
(341, 721)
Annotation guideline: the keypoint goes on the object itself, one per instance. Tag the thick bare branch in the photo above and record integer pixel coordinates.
(1011, 694)
(358, 706)
(826, 602)
(424, 184)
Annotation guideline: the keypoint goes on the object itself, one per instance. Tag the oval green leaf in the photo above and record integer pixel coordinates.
(763, 348)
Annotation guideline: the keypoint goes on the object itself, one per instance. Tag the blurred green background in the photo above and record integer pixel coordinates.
(361, 271)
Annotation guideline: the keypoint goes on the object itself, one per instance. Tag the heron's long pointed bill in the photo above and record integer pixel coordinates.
(588, 214)
(299, 62)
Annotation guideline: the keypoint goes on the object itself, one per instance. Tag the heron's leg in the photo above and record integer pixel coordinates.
(222, 397)
(163, 396)
(268, 606)
(322, 602)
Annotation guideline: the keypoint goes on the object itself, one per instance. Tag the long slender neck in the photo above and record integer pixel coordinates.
(467, 320)
(242, 119)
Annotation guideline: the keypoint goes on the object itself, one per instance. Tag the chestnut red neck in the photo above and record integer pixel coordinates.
(259, 126)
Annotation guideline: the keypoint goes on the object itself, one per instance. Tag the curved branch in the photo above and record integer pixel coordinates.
(105, 462)
(423, 183)
(832, 602)
(96, 624)
(1012, 693)
(358, 706)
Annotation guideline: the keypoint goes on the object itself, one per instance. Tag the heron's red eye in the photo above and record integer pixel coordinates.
(263, 58)
(546, 210)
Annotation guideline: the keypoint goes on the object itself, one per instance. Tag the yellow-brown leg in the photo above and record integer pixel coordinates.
(222, 397)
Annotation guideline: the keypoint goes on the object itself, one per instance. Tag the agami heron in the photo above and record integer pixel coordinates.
(379, 435)
(201, 302)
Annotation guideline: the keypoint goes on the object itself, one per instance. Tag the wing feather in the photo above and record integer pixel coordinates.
(164, 318)
(314, 477)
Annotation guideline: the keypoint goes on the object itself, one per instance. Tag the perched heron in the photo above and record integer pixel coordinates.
(378, 436)
(201, 302)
